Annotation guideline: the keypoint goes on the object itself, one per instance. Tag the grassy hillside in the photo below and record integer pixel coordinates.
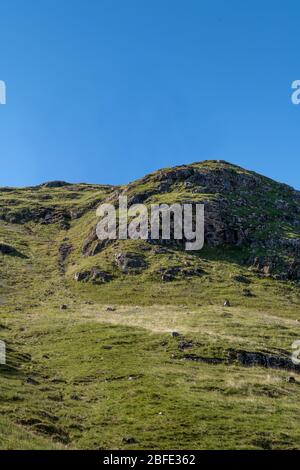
(94, 364)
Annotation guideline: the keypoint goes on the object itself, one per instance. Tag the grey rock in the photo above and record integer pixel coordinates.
(55, 184)
(175, 334)
(94, 275)
(128, 261)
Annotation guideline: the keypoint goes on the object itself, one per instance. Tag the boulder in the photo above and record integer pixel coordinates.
(64, 251)
(241, 278)
(94, 275)
(247, 293)
(128, 261)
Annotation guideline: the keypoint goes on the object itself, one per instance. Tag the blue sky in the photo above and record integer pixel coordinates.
(105, 91)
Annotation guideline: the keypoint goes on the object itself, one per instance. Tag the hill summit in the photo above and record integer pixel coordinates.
(249, 213)
(242, 209)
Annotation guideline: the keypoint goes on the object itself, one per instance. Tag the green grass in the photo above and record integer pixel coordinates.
(17, 437)
(93, 384)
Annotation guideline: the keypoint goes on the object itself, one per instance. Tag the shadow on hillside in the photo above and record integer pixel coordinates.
(14, 362)
(234, 255)
(238, 255)
(11, 251)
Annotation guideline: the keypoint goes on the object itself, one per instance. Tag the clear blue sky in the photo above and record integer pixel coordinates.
(107, 90)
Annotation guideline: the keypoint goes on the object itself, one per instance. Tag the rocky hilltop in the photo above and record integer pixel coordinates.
(257, 216)
(242, 209)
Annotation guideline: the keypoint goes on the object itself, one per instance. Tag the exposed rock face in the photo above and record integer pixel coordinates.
(81, 276)
(249, 359)
(275, 266)
(216, 230)
(100, 277)
(224, 177)
(264, 360)
(167, 277)
(247, 293)
(242, 279)
(64, 251)
(55, 202)
(221, 227)
(38, 214)
(95, 275)
(55, 184)
(92, 245)
(129, 262)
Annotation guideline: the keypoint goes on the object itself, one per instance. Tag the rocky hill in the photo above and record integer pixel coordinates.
(139, 343)
(243, 210)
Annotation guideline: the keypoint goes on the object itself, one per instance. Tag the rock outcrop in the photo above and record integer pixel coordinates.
(130, 262)
(94, 275)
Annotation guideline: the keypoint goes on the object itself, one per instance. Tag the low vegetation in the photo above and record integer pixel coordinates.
(138, 359)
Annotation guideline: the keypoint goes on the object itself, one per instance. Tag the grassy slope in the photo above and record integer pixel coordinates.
(88, 377)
